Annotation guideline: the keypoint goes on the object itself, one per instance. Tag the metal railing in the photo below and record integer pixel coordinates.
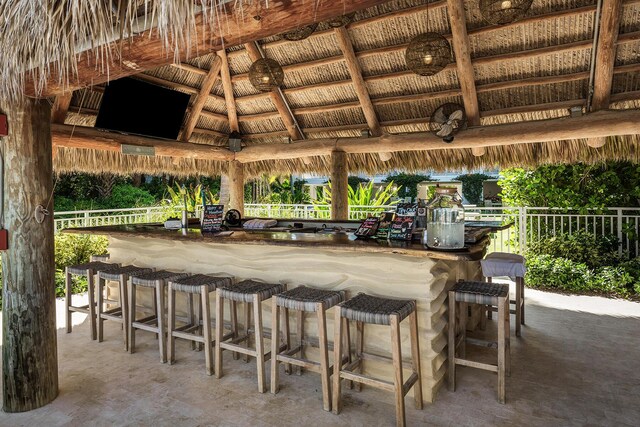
(530, 223)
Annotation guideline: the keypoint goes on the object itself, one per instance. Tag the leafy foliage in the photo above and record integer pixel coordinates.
(283, 192)
(364, 195)
(472, 186)
(174, 204)
(122, 196)
(572, 186)
(407, 183)
(73, 249)
(580, 246)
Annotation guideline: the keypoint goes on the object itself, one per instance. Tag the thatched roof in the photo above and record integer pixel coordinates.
(534, 69)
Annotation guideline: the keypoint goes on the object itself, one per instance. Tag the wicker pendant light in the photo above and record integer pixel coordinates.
(501, 12)
(428, 54)
(300, 33)
(266, 74)
(341, 21)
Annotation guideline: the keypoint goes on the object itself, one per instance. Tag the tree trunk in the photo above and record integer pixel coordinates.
(236, 186)
(30, 363)
(339, 186)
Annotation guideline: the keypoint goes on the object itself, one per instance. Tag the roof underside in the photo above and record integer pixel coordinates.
(534, 69)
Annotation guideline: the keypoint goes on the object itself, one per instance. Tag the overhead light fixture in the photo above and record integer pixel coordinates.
(235, 142)
(501, 12)
(427, 54)
(266, 74)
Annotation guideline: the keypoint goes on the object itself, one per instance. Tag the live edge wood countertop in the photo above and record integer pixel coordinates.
(339, 241)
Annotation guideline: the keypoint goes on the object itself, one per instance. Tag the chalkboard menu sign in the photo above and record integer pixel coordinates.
(402, 227)
(212, 218)
(385, 224)
(407, 209)
(368, 227)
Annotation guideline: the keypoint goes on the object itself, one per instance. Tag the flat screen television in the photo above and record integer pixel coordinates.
(133, 106)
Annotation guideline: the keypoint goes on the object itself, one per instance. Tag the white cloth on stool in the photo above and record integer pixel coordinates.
(503, 264)
(259, 223)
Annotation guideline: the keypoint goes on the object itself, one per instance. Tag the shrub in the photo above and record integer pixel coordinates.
(580, 247)
(128, 196)
(472, 186)
(75, 249)
(558, 273)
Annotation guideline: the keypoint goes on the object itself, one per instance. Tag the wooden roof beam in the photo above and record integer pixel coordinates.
(147, 50)
(344, 41)
(462, 50)
(605, 58)
(201, 98)
(599, 124)
(67, 136)
(227, 86)
(277, 97)
(61, 107)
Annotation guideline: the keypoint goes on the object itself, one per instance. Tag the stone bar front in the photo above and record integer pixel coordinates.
(334, 261)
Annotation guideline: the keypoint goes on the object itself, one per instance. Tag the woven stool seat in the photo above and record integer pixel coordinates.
(150, 278)
(115, 273)
(244, 291)
(307, 299)
(480, 292)
(81, 269)
(193, 284)
(370, 309)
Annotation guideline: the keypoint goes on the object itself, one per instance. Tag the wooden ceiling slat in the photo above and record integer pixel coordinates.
(227, 87)
(201, 98)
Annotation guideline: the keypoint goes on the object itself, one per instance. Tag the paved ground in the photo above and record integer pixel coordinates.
(578, 363)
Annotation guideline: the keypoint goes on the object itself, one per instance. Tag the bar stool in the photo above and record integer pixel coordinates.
(119, 313)
(303, 299)
(248, 292)
(483, 293)
(364, 309)
(89, 271)
(157, 280)
(198, 326)
(498, 264)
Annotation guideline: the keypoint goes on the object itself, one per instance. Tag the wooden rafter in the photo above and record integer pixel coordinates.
(277, 96)
(190, 68)
(599, 124)
(201, 98)
(344, 41)
(61, 107)
(227, 86)
(462, 50)
(243, 22)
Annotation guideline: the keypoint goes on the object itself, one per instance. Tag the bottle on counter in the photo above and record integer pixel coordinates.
(445, 220)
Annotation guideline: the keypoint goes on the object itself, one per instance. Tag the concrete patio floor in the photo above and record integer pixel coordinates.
(577, 363)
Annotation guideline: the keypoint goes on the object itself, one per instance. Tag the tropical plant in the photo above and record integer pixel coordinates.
(407, 183)
(472, 186)
(282, 192)
(362, 196)
(182, 197)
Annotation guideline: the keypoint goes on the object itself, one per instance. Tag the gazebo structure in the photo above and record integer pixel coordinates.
(560, 84)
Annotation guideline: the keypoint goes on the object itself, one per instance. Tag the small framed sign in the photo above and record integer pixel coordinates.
(212, 218)
(402, 227)
(368, 228)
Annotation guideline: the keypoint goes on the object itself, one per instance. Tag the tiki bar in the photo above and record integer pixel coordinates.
(219, 316)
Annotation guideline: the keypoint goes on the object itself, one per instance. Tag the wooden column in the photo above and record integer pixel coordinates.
(339, 186)
(30, 362)
(236, 186)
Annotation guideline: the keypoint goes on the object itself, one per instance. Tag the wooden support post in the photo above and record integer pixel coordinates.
(236, 186)
(339, 186)
(29, 355)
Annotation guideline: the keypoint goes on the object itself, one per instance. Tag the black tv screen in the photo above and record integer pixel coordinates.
(133, 106)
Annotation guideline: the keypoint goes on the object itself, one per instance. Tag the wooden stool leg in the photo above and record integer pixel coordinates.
(518, 307)
(324, 357)
(347, 346)
(337, 360)
(521, 279)
(359, 350)
(191, 316)
(501, 346)
(233, 314)
(206, 328)
(247, 322)
(452, 341)
(67, 298)
(464, 311)
(257, 310)
(275, 344)
(162, 343)
(396, 351)
(171, 347)
(490, 312)
(99, 319)
(507, 334)
(130, 317)
(300, 326)
(219, 327)
(415, 359)
(92, 303)
(198, 307)
(287, 337)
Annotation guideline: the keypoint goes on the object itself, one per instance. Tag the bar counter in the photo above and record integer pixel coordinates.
(328, 260)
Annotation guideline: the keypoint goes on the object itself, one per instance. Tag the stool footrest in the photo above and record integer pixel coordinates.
(292, 351)
(482, 343)
(79, 308)
(478, 365)
(364, 379)
(243, 350)
(305, 363)
(379, 358)
(409, 383)
(187, 336)
(145, 326)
